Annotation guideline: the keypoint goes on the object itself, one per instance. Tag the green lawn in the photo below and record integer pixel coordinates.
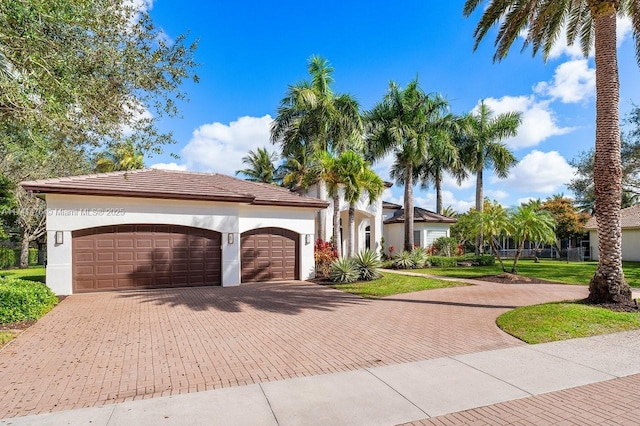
(560, 321)
(547, 269)
(391, 284)
(34, 273)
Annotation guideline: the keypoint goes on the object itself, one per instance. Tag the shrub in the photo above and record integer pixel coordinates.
(480, 260)
(443, 261)
(368, 263)
(7, 258)
(344, 270)
(33, 256)
(22, 300)
(419, 257)
(324, 254)
(404, 261)
(446, 246)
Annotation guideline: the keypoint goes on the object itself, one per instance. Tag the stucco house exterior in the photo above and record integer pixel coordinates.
(630, 222)
(160, 228)
(428, 226)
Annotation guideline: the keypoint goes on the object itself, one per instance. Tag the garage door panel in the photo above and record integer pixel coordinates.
(140, 256)
(269, 254)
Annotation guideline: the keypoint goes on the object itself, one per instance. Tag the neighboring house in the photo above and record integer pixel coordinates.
(428, 226)
(630, 222)
(159, 228)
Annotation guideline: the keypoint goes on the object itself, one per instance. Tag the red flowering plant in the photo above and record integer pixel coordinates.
(391, 250)
(324, 253)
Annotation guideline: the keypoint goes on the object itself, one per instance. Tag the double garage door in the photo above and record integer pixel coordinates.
(126, 257)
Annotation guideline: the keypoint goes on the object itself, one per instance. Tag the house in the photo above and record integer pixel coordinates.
(161, 228)
(428, 226)
(630, 222)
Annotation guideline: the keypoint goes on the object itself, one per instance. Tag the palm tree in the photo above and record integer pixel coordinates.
(324, 168)
(449, 212)
(529, 223)
(404, 124)
(356, 177)
(120, 157)
(311, 115)
(494, 222)
(481, 147)
(295, 168)
(261, 166)
(594, 23)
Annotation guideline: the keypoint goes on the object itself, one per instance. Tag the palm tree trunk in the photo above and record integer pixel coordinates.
(408, 209)
(322, 217)
(608, 283)
(438, 184)
(492, 243)
(336, 224)
(479, 208)
(352, 229)
(517, 257)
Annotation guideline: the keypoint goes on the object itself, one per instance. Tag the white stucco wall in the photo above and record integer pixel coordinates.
(630, 244)
(429, 232)
(68, 213)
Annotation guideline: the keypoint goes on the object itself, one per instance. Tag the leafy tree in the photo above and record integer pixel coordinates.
(356, 177)
(92, 70)
(296, 167)
(325, 167)
(528, 223)
(569, 222)
(493, 221)
(405, 123)
(593, 22)
(312, 116)
(260, 166)
(121, 157)
(481, 147)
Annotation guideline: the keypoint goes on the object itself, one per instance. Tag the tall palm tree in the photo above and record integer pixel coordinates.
(529, 223)
(312, 115)
(356, 177)
(260, 166)
(481, 147)
(120, 157)
(593, 22)
(325, 168)
(403, 123)
(449, 211)
(295, 168)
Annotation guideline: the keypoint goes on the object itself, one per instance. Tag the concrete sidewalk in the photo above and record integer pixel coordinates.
(386, 395)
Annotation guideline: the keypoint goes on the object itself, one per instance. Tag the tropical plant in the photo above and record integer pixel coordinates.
(368, 262)
(528, 223)
(312, 117)
(449, 212)
(494, 222)
(419, 257)
(296, 168)
(446, 246)
(569, 221)
(324, 253)
(405, 123)
(260, 166)
(344, 270)
(121, 157)
(481, 147)
(404, 260)
(594, 23)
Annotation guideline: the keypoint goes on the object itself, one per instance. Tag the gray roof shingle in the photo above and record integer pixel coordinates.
(629, 218)
(420, 215)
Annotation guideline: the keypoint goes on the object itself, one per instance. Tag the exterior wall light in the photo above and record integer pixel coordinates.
(307, 239)
(59, 237)
(230, 238)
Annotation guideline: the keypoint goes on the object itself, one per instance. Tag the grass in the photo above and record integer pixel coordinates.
(6, 337)
(565, 320)
(547, 269)
(391, 284)
(33, 273)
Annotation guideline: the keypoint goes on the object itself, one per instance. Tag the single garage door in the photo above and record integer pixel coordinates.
(125, 257)
(269, 254)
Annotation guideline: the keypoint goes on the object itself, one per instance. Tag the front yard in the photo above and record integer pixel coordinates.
(391, 284)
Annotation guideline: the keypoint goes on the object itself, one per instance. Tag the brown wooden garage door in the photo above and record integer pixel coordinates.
(269, 254)
(127, 257)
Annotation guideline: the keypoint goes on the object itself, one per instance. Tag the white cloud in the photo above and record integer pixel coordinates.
(451, 182)
(383, 166)
(496, 194)
(561, 48)
(573, 82)
(525, 200)
(168, 166)
(539, 172)
(538, 120)
(219, 147)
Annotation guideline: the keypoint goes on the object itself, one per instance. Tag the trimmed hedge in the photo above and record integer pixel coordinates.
(480, 260)
(443, 261)
(7, 258)
(22, 300)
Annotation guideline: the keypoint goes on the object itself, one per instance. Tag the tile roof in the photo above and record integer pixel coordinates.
(388, 205)
(629, 218)
(420, 215)
(172, 184)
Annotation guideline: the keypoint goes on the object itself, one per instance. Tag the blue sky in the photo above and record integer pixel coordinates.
(251, 51)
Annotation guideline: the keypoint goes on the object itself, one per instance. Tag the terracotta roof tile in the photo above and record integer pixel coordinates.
(629, 218)
(420, 215)
(172, 184)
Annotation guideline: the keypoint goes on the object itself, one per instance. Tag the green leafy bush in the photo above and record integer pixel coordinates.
(344, 270)
(480, 260)
(22, 300)
(404, 260)
(419, 257)
(7, 258)
(368, 263)
(33, 256)
(446, 246)
(443, 261)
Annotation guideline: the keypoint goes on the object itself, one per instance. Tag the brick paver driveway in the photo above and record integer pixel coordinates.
(95, 349)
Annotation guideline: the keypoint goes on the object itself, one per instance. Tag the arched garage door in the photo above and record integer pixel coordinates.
(125, 257)
(269, 254)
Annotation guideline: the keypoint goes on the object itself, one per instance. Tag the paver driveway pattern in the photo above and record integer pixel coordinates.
(100, 348)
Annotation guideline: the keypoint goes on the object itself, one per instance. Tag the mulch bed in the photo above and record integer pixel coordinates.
(616, 307)
(21, 325)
